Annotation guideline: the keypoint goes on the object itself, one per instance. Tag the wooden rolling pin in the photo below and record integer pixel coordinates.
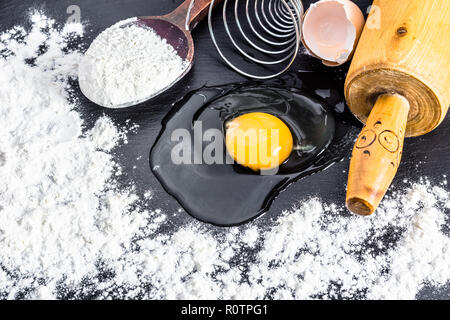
(398, 85)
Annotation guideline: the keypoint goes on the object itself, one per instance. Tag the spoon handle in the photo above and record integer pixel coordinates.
(190, 13)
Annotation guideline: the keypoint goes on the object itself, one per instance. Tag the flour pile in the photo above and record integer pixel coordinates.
(69, 230)
(57, 208)
(128, 63)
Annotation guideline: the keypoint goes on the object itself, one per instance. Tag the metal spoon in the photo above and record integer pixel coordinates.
(175, 28)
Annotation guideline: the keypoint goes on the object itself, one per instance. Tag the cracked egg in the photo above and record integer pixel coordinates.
(331, 30)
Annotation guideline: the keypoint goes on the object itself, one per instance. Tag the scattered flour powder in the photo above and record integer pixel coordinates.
(128, 63)
(68, 230)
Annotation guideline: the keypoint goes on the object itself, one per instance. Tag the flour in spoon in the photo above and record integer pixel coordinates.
(128, 63)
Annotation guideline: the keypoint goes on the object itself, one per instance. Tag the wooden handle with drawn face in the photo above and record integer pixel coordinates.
(377, 154)
(190, 13)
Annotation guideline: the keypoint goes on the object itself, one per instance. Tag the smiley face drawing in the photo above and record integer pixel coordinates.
(375, 137)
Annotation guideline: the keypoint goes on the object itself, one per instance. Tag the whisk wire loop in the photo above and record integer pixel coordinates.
(271, 28)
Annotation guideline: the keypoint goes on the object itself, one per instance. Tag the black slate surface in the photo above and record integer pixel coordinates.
(428, 155)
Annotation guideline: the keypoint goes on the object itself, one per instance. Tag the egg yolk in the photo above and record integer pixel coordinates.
(259, 141)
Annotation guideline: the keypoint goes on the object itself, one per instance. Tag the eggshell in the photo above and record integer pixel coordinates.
(331, 30)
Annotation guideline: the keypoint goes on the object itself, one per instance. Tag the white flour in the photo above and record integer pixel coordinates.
(127, 63)
(57, 212)
(68, 230)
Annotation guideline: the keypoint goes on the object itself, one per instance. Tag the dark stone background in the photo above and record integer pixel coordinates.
(423, 156)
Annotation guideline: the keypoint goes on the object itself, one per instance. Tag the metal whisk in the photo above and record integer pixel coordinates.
(271, 28)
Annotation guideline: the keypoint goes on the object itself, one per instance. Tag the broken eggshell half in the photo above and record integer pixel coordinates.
(331, 30)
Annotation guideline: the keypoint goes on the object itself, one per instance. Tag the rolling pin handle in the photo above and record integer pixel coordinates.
(377, 154)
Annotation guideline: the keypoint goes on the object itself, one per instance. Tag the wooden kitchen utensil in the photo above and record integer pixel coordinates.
(398, 85)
